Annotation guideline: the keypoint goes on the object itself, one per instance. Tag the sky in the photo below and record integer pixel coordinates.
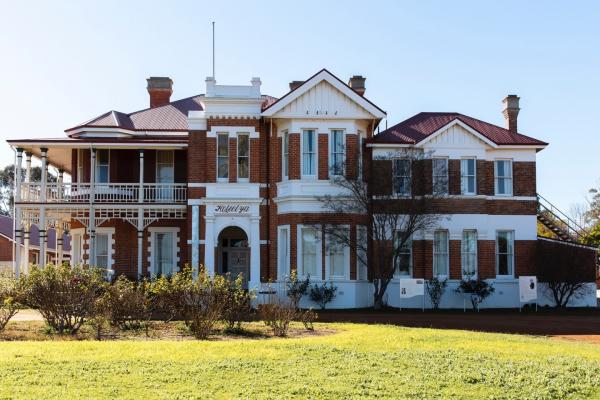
(64, 62)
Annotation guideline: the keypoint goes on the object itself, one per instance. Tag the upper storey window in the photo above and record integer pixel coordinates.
(222, 156)
(503, 177)
(337, 154)
(440, 175)
(309, 152)
(468, 176)
(243, 156)
(286, 153)
(401, 176)
(102, 161)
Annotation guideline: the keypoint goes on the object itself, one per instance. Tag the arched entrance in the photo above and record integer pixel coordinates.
(233, 253)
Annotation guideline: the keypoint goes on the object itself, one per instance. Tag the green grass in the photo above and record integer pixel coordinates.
(356, 362)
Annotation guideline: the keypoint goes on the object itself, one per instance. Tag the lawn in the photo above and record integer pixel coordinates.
(356, 361)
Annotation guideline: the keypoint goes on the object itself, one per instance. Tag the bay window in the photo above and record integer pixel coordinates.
(308, 247)
(440, 254)
(468, 176)
(309, 152)
(505, 251)
(337, 259)
(503, 177)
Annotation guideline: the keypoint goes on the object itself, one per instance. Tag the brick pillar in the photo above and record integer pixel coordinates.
(323, 156)
(294, 156)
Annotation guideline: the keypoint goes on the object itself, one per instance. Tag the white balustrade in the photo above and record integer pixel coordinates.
(67, 192)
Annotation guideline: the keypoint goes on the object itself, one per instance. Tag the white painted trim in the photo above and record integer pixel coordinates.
(318, 252)
(331, 148)
(316, 150)
(237, 157)
(324, 75)
(512, 178)
(462, 125)
(346, 276)
(110, 231)
(233, 131)
(283, 270)
(151, 239)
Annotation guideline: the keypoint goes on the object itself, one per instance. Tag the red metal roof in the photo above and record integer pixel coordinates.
(420, 126)
(170, 117)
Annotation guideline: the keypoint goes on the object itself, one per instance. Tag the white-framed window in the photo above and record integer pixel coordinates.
(36, 258)
(283, 250)
(222, 156)
(468, 176)
(401, 176)
(243, 157)
(77, 246)
(469, 252)
(337, 151)
(285, 151)
(439, 167)
(403, 263)
(441, 262)
(505, 253)
(309, 252)
(102, 166)
(165, 173)
(163, 250)
(338, 254)
(102, 250)
(79, 165)
(361, 253)
(309, 152)
(503, 177)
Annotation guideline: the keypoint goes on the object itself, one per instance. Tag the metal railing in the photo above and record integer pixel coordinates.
(104, 192)
(561, 220)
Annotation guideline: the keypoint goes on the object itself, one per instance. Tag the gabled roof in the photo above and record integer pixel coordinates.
(171, 117)
(323, 75)
(421, 126)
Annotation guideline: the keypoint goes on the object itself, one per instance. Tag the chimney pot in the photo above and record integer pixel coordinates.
(357, 82)
(511, 112)
(295, 84)
(160, 90)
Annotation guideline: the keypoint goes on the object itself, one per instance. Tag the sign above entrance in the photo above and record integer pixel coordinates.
(235, 209)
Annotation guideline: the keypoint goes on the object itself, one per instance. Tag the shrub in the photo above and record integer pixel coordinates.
(277, 316)
(296, 288)
(478, 288)
(436, 288)
(168, 293)
(237, 303)
(128, 303)
(307, 317)
(65, 296)
(203, 303)
(10, 296)
(323, 294)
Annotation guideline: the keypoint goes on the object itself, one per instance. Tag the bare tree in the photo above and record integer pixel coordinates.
(566, 268)
(397, 201)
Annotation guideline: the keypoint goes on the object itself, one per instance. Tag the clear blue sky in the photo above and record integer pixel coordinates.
(65, 62)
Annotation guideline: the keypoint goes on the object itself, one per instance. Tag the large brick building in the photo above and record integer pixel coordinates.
(230, 179)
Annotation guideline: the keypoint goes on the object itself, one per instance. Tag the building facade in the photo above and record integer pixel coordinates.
(231, 180)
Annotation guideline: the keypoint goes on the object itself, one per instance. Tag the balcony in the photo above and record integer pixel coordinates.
(152, 193)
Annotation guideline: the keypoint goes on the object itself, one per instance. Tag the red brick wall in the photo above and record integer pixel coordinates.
(6, 249)
(232, 159)
(294, 156)
(351, 156)
(323, 156)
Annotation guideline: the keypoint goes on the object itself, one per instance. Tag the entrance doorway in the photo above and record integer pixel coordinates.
(233, 254)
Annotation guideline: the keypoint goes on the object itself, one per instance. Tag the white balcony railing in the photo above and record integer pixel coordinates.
(105, 193)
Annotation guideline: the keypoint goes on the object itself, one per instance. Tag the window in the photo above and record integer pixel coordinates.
(401, 176)
(102, 251)
(309, 154)
(243, 156)
(283, 249)
(165, 173)
(164, 261)
(469, 253)
(76, 248)
(503, 175)
(222, 156)
(505, 253)
(79, 165)
(336, 253)
(467, 176)
(403, 262)
(309, 252)
(440, 253)
(361, 253)
(101, 173)
(440, 175)
(285, 152)
(337, 156)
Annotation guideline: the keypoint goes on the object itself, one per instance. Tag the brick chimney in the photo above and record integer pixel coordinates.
(295, 84)
(357, 82)
(511, 111)
(160, 90)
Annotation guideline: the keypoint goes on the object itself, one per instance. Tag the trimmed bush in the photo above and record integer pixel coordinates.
(435, 289)
(296, 289)
(277, 316)
(323, 294)
(65, 296)
(10, 297)
(203, 304)
(128, 303)
(237, 305)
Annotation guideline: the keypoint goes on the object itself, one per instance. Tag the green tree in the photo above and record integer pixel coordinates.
(7, 178)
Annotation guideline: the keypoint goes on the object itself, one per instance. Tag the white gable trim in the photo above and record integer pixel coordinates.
(324, 75)
(462, 125)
